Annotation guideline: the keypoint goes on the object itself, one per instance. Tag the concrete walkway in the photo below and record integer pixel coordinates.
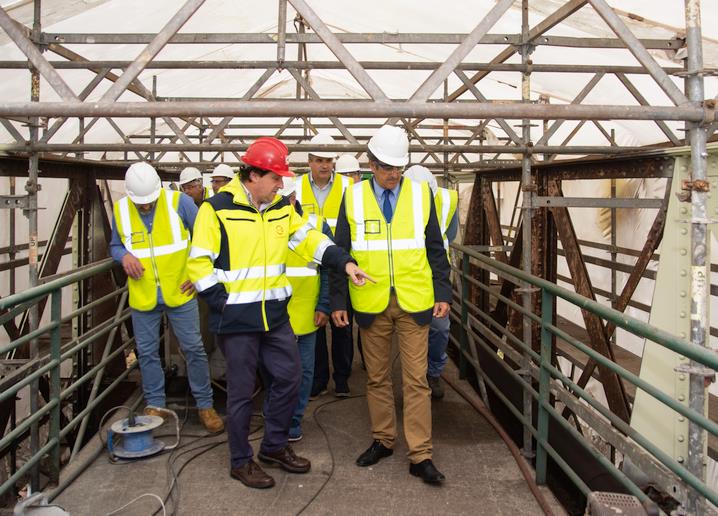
(482, 477)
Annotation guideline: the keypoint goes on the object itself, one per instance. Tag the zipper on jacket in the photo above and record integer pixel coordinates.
(152, 260)
(264, 282)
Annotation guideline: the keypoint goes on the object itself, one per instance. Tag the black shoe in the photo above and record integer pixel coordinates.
(427, 471)
(437, 390)
(341, 390)
(374, 454)
(316, 392)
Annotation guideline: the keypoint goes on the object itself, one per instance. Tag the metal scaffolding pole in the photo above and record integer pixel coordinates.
(32, 188)
(358, 109)
(528, 190)
(700, 277)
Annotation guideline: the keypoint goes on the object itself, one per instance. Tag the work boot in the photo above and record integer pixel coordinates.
(211, 420)
(252, 475)
(437, 390)
(161, 412)
(287, 460)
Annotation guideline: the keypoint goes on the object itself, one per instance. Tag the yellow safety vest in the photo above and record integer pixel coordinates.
(246, 251)
(330, 210)
(393, 254)
(304, 278)
(445, 202)
(163, 252)
(208, 192)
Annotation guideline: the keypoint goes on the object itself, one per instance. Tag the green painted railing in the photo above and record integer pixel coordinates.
(552, 383)
(48, 364)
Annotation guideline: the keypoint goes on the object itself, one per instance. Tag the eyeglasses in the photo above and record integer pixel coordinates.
(390, 169)
(219, 181)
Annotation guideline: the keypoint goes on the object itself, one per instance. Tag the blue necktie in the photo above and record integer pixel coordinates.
(386, 205)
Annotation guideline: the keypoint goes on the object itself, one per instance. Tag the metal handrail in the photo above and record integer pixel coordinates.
(551, 378)
(50, 364)
(47, 288)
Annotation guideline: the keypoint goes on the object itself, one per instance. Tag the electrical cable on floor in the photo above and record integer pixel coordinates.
(152, 495)
(329, 447)
(523, 466)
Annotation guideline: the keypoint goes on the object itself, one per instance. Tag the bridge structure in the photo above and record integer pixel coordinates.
(593, 354)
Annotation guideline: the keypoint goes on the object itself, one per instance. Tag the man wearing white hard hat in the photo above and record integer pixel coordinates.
(390, 227)
(320, 193)
(347, 165)
(446, 202)
(151, 230)
(221, 175)
(190, 182)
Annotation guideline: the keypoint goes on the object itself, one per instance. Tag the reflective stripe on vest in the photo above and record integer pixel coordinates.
(162, 252)
(393, 254)
(304, 278)
(255, 296)
(330, 210)
(446, 202)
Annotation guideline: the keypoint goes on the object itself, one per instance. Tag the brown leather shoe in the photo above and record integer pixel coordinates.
(211, 420)
(287, 460)
(151, 410)
(252, 475)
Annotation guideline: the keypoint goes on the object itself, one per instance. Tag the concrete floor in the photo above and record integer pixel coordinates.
(482, 477)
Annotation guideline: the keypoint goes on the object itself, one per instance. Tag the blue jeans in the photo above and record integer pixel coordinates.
(305, 345)
(184, 320)
(438, 340)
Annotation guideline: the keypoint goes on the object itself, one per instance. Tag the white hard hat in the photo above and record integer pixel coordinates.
(390, 145)
(188, 175)
(347, 163)
(223, 170)
(290, 184)
(420, 174)
(142, 183)
(322, 139)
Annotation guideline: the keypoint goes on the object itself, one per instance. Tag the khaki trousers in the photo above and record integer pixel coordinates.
(413, 347)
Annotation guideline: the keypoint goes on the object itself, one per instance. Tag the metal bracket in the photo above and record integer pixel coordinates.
(705, 372)
(14, 201)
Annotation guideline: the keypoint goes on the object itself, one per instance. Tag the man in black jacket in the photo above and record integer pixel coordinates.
(389, 225)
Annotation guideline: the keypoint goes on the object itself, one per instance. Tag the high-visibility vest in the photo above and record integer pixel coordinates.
(246, 251)
(304, 278)
(208, 192)
(445, 202)
(330, 210)
(392, 254)
(163, 252)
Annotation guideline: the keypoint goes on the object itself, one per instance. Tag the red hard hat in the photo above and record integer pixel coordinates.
(270, 154)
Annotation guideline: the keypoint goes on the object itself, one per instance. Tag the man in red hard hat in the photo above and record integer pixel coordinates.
(237, 264)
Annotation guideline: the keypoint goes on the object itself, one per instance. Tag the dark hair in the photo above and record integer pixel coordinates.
(244, 171)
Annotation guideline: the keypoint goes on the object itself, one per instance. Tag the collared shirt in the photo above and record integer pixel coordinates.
(263, 206)
(321, 192)
(379, 192)
(186, 209)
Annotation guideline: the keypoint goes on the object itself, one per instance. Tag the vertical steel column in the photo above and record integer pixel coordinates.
(11, 243)
(614, 255)
(528, 188)
(281, 32)
(547, 301)
(31, 213)
(55, 387)
(153, 120)
(465, 268)
(700, 278)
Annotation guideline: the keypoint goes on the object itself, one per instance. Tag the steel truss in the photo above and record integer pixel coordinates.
(452, 132)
